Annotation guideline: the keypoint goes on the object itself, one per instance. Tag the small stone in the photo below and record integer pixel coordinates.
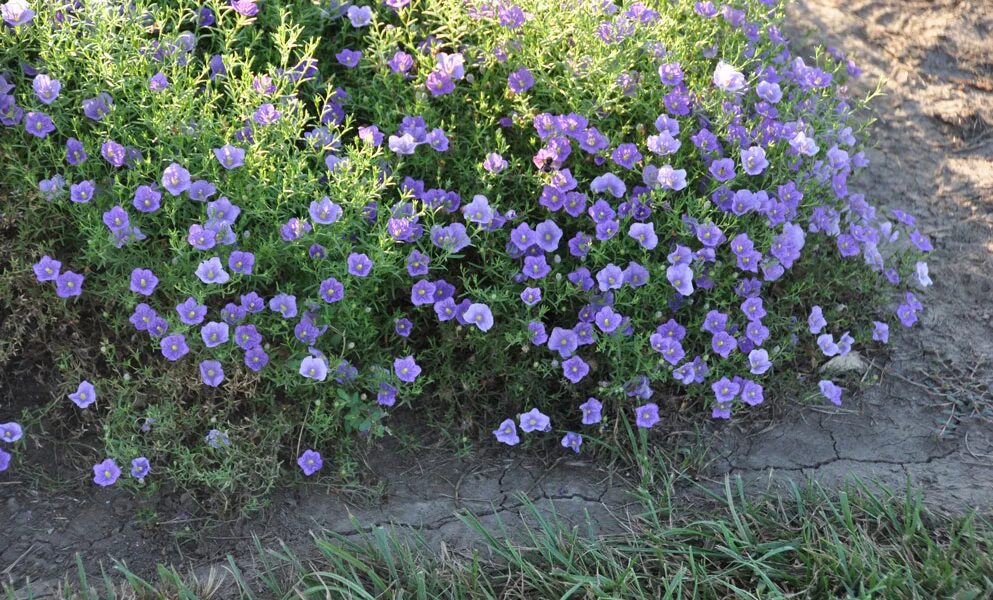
(849, 363)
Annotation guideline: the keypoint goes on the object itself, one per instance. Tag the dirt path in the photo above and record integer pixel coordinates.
(934, 157)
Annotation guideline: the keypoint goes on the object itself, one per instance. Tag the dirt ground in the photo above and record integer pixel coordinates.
(929, 418)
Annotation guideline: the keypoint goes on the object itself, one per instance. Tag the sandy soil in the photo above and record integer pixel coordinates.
(929, 418)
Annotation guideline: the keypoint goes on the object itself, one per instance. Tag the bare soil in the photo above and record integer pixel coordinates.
(929, 418)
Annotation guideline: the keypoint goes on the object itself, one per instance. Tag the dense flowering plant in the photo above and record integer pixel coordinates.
(547, 214)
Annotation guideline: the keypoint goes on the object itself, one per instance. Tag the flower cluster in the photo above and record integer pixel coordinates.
(645, 216)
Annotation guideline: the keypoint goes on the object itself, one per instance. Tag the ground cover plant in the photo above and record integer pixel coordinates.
(289, 218)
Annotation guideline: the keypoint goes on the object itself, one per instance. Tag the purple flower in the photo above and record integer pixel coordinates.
(722, 169)
(46, 88)
(146, 199)
(211, 373)
(140, 467)
(158, 82)
(116, 219)
(82, 192)
(439, 83)
(174, 347)
(830, 391)
(608, 320)
(723, 343)
(332, 290)
(310, 462)
(572, 441)
(647, 415)
(591, 411)
(681, 278)
(75, 154)
(314, 368)
(214, 334)
(644, 233)
(230, 157)
(68, 284)
(106, 473)
(404, 144)
(359, 16)
(403, 327)
(212, 271)
(547, 236)
(84, 395)
(113, 153)
(727, 78)
(143, 282)
(10, 432)
(479, 315)
(536, 333)
(575, 369)
(670, 179)
(190, 312)
(670, 348)
(610, 183)
(349, 58)
(758, 361)
(671, 74)
(507, 433)
(921, 274)
(16, 13)
(406, 369)
(284, 304)
(256, 358)
(38, 124)
(266, 114)
(387, 395)
(635, 275)
(610, 277)
(478, 211)
(536, 267)
(520, 80)
(245, 8)
(202, 238)
(401, 63)
(175, 179)
(241, 262)
(751, 393)
(422, 292)
(626, 156)
(563, 341)
(247, 337)
(47, 269)
(816, 321)
(531, 296)
(359, 265)
(725, 390)
(494, 163)
(535, 420)
(99, 107)
(827, 344)
(325, 212)
(769, 91)
(145, 318)
(753, 160)
(4, 460)
(216, 439)
(880, 332)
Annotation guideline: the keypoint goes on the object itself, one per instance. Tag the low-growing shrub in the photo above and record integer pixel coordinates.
(294, 215)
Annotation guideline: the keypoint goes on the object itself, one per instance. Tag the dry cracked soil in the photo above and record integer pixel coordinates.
(929, 417)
